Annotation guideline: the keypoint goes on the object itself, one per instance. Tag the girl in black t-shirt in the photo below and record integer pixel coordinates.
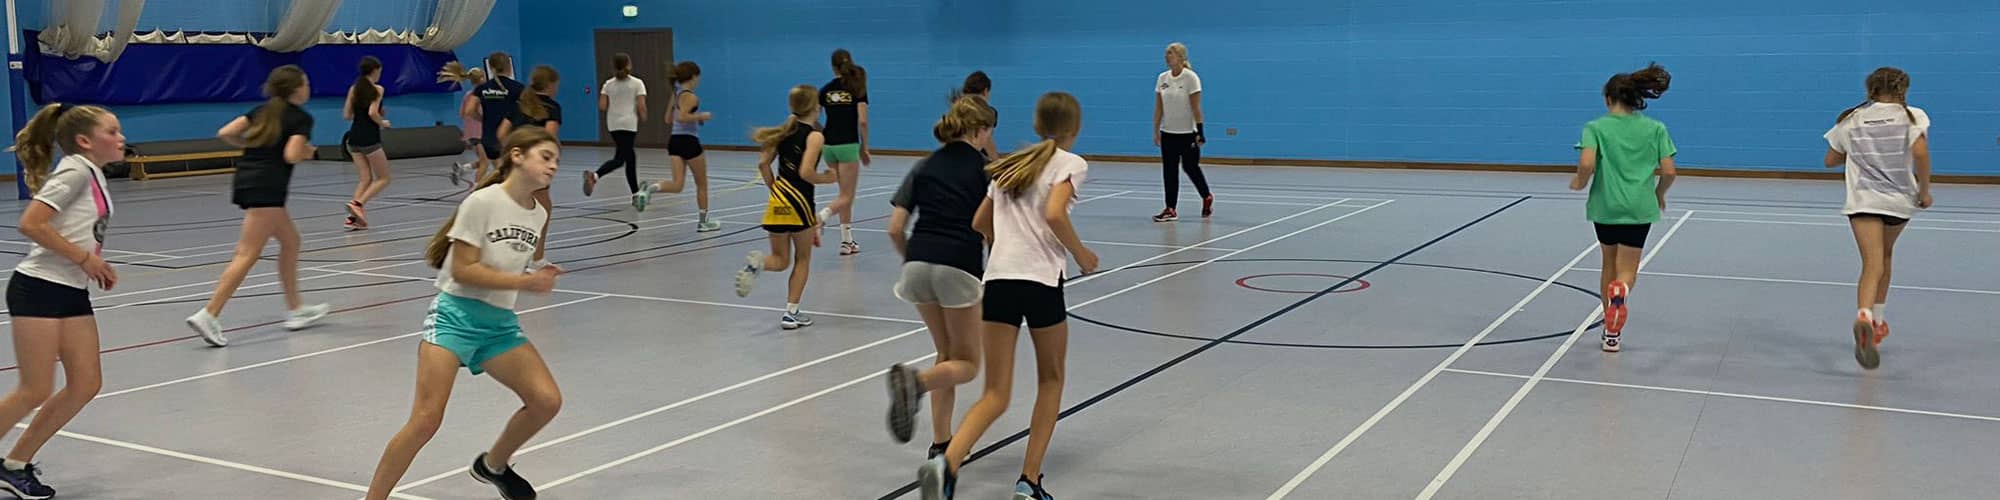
(845, 101)
(943, 261)
(364, 139)
(538, 108)
(274, 137)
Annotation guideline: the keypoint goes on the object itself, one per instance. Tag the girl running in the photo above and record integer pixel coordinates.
(795, 145)
(684, 146)
(1026, 216)
(49, 294)
(364, 139)
(846, 102)
(486, 255)
(274, 137)
(942, 265)
(623, 101)
(1178, 131)
(497, 99)
(468, 113)
(1622, 153)
(537, 107)
(1885, 145)
(978, 85)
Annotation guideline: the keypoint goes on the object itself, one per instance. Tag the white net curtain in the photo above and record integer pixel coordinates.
(76, 27)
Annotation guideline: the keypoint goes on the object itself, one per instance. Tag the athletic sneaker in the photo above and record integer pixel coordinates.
(1864, 341)
(641, 198)
(589, 182)
(1881, 331)
(457, 174)
(511, 485)
(849, 248)
(707, 226)
(360, 215)
(795, 320)
(1168, 215)
(1207, 206)
(26, 483)
(208, 326)
(937, 449)
(905, 394)
(1030, 490)
(746, 278)
(351, 225)
(1609, 341)
(935, 480)
(299, 319)
(1615, 313)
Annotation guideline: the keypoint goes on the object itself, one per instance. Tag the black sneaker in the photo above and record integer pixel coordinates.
(25, 484)
(1030, 490)
(1168, 215)
(511, 485)
(904, 397)
(937, 449)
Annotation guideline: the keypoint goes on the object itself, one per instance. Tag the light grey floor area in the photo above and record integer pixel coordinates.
(1456, 359)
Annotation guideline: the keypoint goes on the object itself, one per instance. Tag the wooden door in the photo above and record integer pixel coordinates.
(652, 52)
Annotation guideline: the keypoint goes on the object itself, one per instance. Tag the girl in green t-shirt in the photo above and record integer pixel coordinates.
(1622, 152)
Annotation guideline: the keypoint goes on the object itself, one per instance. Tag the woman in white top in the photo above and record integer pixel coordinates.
(489, 252)
(623, 101)
(1884, 145)
(48, 296)
(1026, 218)
(1178, 131)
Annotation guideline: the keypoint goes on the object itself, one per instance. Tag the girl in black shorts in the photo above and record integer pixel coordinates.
(364, 139)
(684, 146)
(789, 219)
(48, 297)
(1026, 216)
(274, 137)
(942, 265)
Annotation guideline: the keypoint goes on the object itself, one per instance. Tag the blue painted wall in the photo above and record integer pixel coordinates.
(189, 121)
(1424, 80)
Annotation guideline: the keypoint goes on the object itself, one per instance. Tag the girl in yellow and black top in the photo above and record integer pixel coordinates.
(796, 146)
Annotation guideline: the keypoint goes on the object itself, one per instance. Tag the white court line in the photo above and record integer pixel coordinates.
(1839, 216)
(893, 338)
(1397, 402)
(313, 354)
(1805, 282)
(222, 463)
(107, 250)
(719, 428)
(1465, 453)
(1243, 202)
(331, 273)
(829, 390)
(1837, 224)
(1851, 406)
(667, 299)
(1087, 242)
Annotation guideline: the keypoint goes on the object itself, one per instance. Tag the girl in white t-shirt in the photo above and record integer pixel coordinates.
(488, 253)
(1178, 131)
(1026, 218)
(623, 101)
(1884, 145)
(48, 296)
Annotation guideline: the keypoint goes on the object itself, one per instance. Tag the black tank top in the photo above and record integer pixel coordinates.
(364, 131)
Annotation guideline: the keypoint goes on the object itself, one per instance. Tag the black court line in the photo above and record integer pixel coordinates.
(1121, 387)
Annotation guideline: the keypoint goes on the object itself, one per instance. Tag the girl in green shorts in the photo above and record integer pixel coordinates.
(490, 251)
(1622, 153)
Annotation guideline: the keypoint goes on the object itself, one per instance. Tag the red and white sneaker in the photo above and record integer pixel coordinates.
(1881, 331)
(1609, 342)
(1168, 215)
(1865, 339)
(1615, 310)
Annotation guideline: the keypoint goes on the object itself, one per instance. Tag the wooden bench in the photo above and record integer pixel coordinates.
(139, 163)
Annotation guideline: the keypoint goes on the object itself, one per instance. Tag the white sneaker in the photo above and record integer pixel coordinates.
(746, 278)
(208, 326)
(707, 226)
(305, 316)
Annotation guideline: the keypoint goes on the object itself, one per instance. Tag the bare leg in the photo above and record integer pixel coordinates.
(437, 370)
(999, 351)
(258, 227)
(523, 370)
(1051, 354)
(83, 376)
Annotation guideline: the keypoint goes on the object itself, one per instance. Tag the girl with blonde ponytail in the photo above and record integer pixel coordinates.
(274, 137)
(1179, 133)
(795, 145)
(490, 251)
(1885, 145)
(1026, 217)
(49, 295)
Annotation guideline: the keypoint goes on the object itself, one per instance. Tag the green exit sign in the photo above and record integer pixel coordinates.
(630, 10)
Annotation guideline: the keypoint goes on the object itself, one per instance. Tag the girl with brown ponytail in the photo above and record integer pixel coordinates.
(1884, 143)
(274, 137)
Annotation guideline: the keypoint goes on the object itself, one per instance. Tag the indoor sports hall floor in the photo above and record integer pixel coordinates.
(1328, 334)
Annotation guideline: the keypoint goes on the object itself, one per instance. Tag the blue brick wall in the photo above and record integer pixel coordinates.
(191, 121)
(1421, 80)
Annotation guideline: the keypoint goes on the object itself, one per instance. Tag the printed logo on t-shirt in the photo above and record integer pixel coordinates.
(1163, 85)
(839, 97)
(492, 94)
(518, 238)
